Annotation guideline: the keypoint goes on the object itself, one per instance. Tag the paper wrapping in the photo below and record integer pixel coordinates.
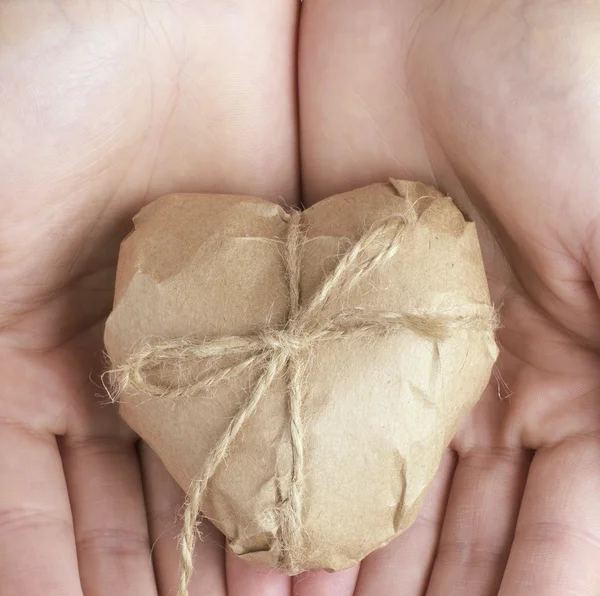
(378, 413)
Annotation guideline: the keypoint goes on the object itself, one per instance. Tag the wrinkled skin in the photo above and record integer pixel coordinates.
(105, 105)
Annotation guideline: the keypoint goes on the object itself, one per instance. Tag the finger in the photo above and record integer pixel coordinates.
(246, 579)
(164, 501)
(479, 523)
(37, 543)
(402, 568)
(557, 542)
(109, 515)
(359, 125)
(322, 583)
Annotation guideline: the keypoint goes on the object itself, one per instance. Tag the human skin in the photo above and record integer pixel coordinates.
(106, 105)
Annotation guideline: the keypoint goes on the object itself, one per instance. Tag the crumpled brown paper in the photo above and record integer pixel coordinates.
(378, 413)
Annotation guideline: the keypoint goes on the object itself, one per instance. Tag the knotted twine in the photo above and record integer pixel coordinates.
(284, 351)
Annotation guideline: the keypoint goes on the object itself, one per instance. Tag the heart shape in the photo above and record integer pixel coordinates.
(376, 410)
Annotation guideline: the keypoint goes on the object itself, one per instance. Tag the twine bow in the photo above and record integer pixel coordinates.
(284, 351)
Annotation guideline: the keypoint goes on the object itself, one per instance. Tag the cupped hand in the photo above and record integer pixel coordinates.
(106, 105)
(497, 103)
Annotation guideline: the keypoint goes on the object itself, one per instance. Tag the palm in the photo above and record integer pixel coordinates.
(133, 102)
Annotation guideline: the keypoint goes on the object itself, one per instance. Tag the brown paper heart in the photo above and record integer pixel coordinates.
(377, 410)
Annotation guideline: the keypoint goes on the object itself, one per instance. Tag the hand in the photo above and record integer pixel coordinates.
(104, 106)
(497, 103)
(109, 107)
